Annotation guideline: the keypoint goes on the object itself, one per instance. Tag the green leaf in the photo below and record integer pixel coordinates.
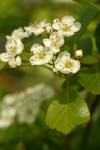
(90, 79)
(89, 3)
(90, 59)
(97, 37)
(67, 111)
(86, 45)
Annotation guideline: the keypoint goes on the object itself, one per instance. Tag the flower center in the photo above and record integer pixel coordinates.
(69, 64)
(41, 55)
(13, 49)
(65, 27)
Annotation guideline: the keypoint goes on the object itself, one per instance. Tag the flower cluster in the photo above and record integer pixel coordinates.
(50, 49)
(24, 105)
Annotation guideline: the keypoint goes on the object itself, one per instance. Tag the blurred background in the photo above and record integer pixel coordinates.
(37, 136)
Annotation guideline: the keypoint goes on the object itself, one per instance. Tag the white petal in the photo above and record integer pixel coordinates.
(60, 43)
(35, 60)
(47, 42)
(29, 28)
(69, 20)
(55, 50)
(67, 33)
(76, 66)
(18, 61)
(38, 31)
(43, 23)
(5, 57)
(36, 48)
(12, 63)
(76, 27)
(64, 54)
(56, 26)
(8, 37)
(19, 33)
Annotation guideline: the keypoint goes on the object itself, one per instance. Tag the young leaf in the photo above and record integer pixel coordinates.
(67, 111)
(90, 79)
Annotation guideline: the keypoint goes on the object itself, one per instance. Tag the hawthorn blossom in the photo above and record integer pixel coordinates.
(37, 28)
(27, 113)
(14, 62)
(42, 55)
(41, 92)
(7, 115)
(24, 105)
(14, 46)
(65, 64)
(67, 26)
(55, 41)
(18, 33)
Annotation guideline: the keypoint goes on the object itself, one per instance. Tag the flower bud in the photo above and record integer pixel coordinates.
(55, 71)
(49, 29)
(78, 53)
(56, 20)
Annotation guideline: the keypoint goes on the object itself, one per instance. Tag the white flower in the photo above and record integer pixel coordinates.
(42, 55)
(55, 42)
(27, 113)
(67, 26)
(7, 115)
(45, 92)
(18, 33)
(9, 99)
(39, 93)
(14, 62)
(78, 53)
(14, 46)
(37, 28)
(65, 64)
(8, 112)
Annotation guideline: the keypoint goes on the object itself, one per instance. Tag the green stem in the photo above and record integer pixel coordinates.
(47, 67)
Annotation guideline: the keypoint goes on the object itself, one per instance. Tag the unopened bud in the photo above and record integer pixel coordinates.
(56, 20)
(55, 71)
(49, 29)
(78, 53)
